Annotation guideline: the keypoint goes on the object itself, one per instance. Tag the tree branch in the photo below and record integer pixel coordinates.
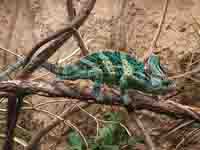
(69, 89)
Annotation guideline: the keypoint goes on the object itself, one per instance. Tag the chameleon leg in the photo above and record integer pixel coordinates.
(123, 89)
(97, 76)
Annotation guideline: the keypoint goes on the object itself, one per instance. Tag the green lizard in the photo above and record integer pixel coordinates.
(116, 68)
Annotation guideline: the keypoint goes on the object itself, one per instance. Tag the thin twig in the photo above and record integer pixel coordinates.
(16, 139)
(156, 36)
(51, 102)
(70, 9)
(4, 75)
(38, 136)
(131, 110)
(11, 30)
(73, 53)
(178, 128)
(72, 14)
(104, 121)
(79, 132)
(147, 137)
(183, 75)
(81, 43)
(9, 51)
(197, 24)
(66, 122)
(188, 137)
(96, 120)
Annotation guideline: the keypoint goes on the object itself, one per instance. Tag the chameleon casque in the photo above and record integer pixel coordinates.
(113, 68)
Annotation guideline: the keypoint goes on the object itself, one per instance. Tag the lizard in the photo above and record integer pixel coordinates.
(115, 68)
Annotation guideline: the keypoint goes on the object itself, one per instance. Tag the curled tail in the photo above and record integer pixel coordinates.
(13, 107)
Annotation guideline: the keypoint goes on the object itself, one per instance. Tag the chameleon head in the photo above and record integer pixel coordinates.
(159, 84)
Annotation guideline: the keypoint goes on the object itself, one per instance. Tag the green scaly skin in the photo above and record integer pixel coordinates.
(116, 68)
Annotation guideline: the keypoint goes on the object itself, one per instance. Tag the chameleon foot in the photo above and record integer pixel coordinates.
(98, 96)
(128, 103)
(126, 99)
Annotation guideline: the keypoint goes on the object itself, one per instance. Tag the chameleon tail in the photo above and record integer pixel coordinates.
(63, 73)
(14, 105)
(53, 68)
(71, 72)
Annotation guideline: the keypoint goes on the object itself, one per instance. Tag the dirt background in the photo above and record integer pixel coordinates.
(116, 24)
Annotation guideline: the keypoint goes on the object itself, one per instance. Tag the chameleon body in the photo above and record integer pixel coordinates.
(119, 69)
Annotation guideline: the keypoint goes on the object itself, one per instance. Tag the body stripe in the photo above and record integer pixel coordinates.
(106, 63)
(127, 68)
(89, 63)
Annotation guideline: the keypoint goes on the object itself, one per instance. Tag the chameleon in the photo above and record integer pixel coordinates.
(119, 69)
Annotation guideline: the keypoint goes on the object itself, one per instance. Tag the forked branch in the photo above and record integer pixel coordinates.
(62, 36)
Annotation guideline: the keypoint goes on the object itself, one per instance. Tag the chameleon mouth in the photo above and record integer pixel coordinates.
(167, 87)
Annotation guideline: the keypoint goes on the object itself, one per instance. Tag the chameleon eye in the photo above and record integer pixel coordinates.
(147, 69)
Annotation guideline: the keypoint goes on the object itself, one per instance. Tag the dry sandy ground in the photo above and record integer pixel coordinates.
(24, 22)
